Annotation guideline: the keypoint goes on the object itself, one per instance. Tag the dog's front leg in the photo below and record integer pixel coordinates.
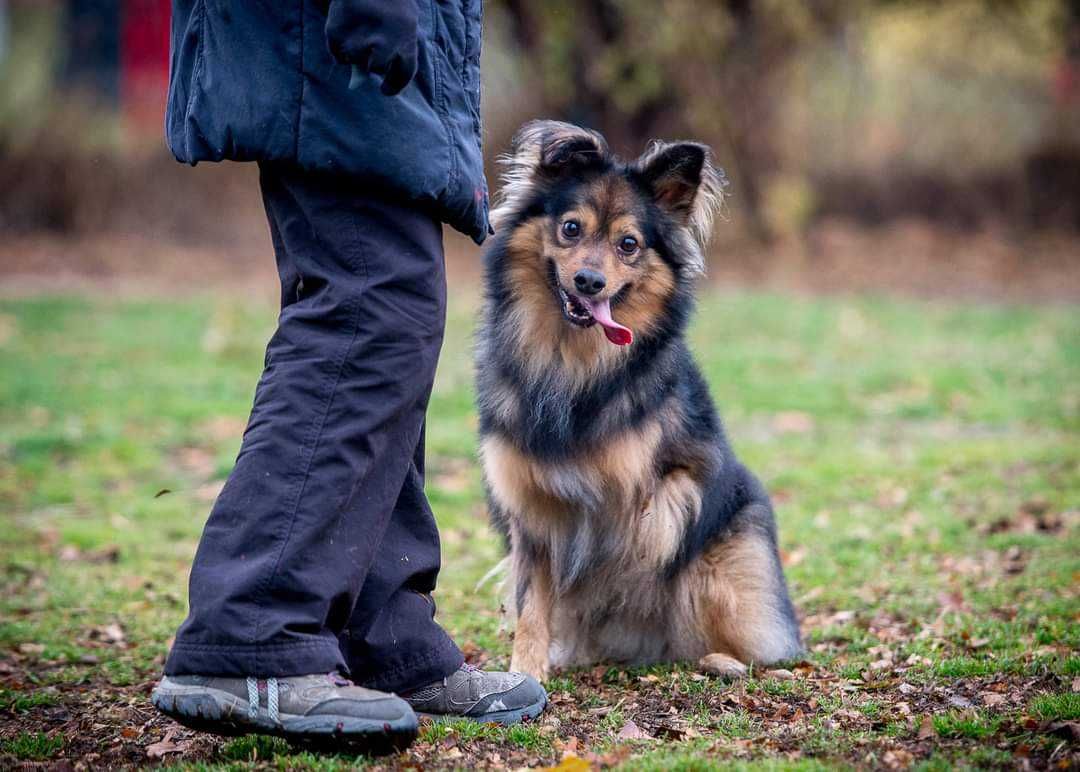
(532, 636)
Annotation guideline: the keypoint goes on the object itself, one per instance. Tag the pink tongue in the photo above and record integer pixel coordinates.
(601, 311)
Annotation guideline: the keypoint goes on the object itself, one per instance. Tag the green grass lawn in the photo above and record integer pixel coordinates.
(924, 459)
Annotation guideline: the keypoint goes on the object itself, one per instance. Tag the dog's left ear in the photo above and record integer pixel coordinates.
(685, 183)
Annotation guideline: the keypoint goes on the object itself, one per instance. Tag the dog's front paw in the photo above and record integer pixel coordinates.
(722, 665)
(534, 666)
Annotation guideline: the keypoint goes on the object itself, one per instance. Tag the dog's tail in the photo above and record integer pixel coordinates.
(501, 574)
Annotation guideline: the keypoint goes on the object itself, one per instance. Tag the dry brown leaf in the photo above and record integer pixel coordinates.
(926, 728)
(793, 422)
(1070, 730)
(632, 731)
(568, 747)
(992, 699)
(159, 750)
(898, 758)
(111, 633)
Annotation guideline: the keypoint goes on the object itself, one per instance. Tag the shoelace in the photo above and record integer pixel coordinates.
(271, 698)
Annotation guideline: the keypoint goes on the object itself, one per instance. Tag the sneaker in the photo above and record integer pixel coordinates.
(501, 698)
(298, 708)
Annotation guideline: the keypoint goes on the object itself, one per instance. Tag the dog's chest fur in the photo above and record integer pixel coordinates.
(606, 524)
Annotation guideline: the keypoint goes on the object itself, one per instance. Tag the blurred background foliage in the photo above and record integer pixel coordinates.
(815, 107)
(962, 114)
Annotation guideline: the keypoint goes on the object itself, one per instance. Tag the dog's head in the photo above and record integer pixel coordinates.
(607, 242)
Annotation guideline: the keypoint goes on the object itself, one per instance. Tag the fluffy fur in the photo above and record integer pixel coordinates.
(634, 533)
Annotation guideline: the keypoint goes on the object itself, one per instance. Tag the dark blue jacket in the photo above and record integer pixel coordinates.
(255, 80)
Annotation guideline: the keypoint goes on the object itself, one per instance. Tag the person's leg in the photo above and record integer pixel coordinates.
(393, 620)
(300, 523)
(388, 642)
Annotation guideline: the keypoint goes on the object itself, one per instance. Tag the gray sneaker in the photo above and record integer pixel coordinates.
(501, 698)
(299, 708)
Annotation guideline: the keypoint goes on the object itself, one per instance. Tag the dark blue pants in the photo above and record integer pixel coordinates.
(321, 552)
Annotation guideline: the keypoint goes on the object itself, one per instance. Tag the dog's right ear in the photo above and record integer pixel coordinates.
(544, 150)
(560, 146)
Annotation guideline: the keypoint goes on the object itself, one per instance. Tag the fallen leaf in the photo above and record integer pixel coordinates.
(571, 762)
(793, 422)
(898, 758)
(111, 633)
(1070, 730)
(992, 699)
(568, 747)
(69, 553)
(632, 731)
(160, 749)
(926, 728)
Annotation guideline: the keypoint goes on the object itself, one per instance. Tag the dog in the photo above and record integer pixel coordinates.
(634, 534)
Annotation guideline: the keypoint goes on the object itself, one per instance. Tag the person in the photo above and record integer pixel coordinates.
(321, 553)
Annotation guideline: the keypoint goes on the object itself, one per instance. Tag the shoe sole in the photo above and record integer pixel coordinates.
(503, 717)
(221, 713)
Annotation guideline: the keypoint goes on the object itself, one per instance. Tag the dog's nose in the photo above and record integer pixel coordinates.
(589, 281)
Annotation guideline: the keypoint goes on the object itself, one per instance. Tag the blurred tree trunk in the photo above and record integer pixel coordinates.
(744, 120)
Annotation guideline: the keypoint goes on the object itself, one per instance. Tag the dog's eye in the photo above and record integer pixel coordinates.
(628, 245)
(571, 229)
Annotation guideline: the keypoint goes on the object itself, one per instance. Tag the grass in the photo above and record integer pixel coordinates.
(1057, 707)
(922, 457)
(973, 725)
(33, 746)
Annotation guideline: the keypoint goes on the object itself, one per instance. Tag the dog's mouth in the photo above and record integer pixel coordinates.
(585, 312)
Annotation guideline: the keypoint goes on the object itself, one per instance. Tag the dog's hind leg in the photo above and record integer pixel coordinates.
(736, 598)
(532, 635)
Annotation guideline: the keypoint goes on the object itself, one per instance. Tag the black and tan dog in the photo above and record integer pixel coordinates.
(634, 533)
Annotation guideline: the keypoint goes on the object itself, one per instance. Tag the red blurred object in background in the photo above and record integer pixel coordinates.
(144, 64)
